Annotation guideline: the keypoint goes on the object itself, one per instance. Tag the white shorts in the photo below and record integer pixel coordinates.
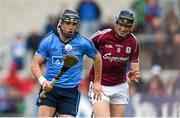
(118, 94)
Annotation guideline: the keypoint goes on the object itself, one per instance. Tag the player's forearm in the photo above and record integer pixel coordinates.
(98, 67)
(36, 69)
(35, 66)
(135, 66)
(135, 69)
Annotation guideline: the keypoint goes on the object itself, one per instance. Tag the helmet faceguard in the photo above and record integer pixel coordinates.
(69, 15)
(124, 20)
(126, 17)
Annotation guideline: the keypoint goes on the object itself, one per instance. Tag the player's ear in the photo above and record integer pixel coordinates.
(77, 29)
(132, 28)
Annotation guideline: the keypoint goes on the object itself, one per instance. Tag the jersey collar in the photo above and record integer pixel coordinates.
(56, 33)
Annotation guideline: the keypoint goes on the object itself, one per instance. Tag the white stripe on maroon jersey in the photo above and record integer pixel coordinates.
(100, 32)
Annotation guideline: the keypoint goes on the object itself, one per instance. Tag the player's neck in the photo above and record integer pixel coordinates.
(64, 39)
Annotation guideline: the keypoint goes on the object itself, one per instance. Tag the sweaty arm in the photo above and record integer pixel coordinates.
(98, 67)
(35, 67)
(134, 73)
(97, 89)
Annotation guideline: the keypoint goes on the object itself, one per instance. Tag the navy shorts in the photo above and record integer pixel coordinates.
(65, 100)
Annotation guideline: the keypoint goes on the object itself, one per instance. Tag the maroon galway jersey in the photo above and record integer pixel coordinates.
(115, 55)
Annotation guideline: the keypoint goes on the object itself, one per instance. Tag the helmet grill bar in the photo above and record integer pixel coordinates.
(70, 15)
(71, 19)
(126, 17)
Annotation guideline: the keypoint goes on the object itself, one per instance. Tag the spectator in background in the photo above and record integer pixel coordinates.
(176, 89)
(138, 6)
(17, 89)
(13, 80)
(156, 24)
(90, 15)
(51, 24)
(18, 51)
(169, 86)
(172, 29)
(160, 50)
(174, 53)
(155, 86)
(33, 41)
(18, 85)
(107, 24)
(171, 25)
(152, 12)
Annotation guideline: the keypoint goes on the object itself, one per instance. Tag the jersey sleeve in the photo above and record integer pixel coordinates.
(90, 49)
(95, 39)
(135, 53)
(43, 48)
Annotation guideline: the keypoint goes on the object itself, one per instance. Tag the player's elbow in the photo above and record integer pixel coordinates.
(33, 65)
(98, 58)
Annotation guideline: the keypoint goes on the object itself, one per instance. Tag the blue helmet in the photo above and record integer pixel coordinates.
(126, 17)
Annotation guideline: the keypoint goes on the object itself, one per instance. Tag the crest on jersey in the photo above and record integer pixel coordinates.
(108, 46)
(118, 50)
(57, 60)
(68, 47)
(128, 50)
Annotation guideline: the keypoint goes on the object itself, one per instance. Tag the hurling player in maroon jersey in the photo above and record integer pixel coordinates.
(118, 47)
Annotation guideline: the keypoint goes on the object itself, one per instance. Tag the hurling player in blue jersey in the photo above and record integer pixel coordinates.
(63, 98)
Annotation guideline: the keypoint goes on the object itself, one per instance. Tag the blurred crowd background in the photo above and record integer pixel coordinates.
(23, 23)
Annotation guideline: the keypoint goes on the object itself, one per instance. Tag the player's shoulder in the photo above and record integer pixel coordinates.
(82, 39)
(101, 32)
(80, 36)
(133, 37)
(48, 37)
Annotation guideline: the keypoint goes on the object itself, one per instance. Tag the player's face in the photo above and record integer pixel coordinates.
(122, 29)
(69, 28)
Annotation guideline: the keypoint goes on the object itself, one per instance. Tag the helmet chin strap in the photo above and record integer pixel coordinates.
(64, 34)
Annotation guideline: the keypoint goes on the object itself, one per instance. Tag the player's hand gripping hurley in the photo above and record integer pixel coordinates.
(69, 61)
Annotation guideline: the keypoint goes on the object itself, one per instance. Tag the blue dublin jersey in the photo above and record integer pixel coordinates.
(52, 48)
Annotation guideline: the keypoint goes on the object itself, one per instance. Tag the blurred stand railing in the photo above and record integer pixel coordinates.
(144, 105)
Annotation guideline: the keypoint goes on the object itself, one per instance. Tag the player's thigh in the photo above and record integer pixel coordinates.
(101, 108)
(46, 111)
(47, 106)
(117, 110)
(120, 94)
(119, 100)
